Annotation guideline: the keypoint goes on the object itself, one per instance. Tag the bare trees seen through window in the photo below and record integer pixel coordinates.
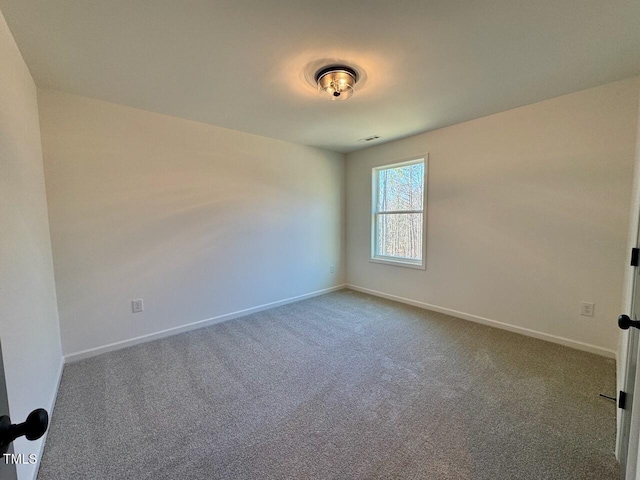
(399, 211)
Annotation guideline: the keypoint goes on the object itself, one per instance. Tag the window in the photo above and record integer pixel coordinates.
(397, 229)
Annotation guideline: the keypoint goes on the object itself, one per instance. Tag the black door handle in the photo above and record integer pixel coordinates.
(624, 322)
(34, 427)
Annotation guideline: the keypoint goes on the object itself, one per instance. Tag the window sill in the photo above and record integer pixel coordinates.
(398, 263)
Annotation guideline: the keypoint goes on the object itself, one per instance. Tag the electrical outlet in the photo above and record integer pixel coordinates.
(137, 305)
(332, 269)
(586, 309)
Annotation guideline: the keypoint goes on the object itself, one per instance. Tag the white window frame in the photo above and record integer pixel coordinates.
(398, 261)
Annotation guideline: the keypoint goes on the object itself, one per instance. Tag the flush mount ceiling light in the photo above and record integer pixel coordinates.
(336, 82)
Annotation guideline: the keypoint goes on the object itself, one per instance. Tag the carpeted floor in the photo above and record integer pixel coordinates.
(336, 387)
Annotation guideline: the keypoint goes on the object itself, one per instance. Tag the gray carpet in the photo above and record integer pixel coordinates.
(336, 387)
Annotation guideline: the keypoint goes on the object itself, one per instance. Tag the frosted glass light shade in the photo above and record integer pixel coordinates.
(336, 82)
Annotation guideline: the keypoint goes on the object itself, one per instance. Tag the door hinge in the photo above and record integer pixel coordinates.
(635, 254)
(622, 399)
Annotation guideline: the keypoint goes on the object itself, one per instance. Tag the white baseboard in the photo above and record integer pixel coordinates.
(492, 323)
(92, 352)
(52, 404)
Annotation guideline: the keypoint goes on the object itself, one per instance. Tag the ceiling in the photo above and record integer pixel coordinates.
(249, 64)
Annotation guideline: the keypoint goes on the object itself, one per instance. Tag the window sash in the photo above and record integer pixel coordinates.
(377, 172)
(396, 212)
(376, 255)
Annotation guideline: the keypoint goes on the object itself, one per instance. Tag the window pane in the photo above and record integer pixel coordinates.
(401, 188)
(399, 235)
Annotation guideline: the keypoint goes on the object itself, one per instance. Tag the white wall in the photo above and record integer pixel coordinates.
(527, 216)
(197, 220)
(28, 313)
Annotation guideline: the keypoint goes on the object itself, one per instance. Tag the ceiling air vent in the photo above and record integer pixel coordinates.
(369, 139)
